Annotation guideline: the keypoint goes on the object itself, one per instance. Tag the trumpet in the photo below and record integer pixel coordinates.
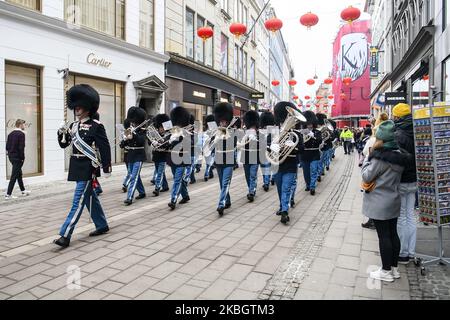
(216, 135)
(287, 139)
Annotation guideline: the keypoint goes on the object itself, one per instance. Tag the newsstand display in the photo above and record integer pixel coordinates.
(432, 138)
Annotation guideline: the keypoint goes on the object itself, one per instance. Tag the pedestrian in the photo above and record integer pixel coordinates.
(181, 144)
(347, 137)
(250, 156)
(160, 154)
(311, 139)
(126, 180)
(85, 166)
(381, 174)
(15, 150)
(266, 120)
(209, 159)
(407, 225)
(135, 139)
(225, 158)
(286, 173)
(362, 143)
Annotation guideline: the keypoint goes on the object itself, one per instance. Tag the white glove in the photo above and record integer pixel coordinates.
(290, 143)
(275, 147)
(173, 139)
(107, 175)
(305, 131)
(311, 134)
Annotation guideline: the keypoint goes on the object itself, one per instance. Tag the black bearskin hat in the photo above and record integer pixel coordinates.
(223, 112)
(208, 119)
(281, 112)
(127, 124)
(267, 119)
(311, 118)
(238, 124)
(96, 116)
(160, 119)
(180, 117)
(251, 119)
(83, 95)
(137, 115)
(321, 117)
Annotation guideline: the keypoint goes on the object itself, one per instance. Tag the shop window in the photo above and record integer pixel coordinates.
(244, 68)
(209, 50)
(252, 72)
(105, 16)
(446, 9)
(23, 101)
(147, 24)
(446, 80)
(29, 4)
(224, 54)
(224, 5)
(111, 109)
(236, 62)
(189, 41)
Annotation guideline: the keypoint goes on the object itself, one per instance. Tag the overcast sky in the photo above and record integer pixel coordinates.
(311, 49)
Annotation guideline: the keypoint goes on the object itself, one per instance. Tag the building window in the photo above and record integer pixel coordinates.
(23, 101)
(224, 54)
(254, 29)
(111, 109)
(244, 68)
(224, 5)
(236, 62)
(199, 43)
(209, 50)
(189, 34)
(147, 24)
(252, 73)
(29, 4)
(446, 80)
(106, 16)
(446, 13)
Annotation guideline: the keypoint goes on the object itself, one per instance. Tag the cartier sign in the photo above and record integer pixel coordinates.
(97, 61)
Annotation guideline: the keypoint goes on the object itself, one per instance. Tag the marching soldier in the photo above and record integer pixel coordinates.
(126, 180)
(327, 145)
(250, 153)
(311, 139)
(135, 139)
(266, 119)
(209, 171)
(84, 161)
(160, 155)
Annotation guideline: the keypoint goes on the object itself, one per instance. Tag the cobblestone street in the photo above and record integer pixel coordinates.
(191, 253)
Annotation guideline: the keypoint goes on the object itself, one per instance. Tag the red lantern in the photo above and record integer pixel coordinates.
(328, 81)
(273, 24)
(350, 14)
(307, 97)
(343, 96)
(333, 106)
(309, 20)
(311, 82)
(330, 97)
(292, 83)
(319, 97)
(205, 33)
(275, 83)
(317, 105)
(238, 29)
(426, 77)
(295, 97)
(347, 81)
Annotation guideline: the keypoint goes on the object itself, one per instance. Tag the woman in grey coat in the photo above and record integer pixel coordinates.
(385, 166)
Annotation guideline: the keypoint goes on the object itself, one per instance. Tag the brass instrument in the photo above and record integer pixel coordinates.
(216, 135)
(287, 139)
(65, 127)
(251, 135)
(326, 131)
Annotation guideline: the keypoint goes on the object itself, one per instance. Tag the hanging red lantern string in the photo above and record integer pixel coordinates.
(307, 97)
(319, 97)
(273, 24)
(330, 97)
(238, 29)
(205, 33)
(334, 106)
(350, 14)
(426, 77)
(347, 81)
(295, 97)
(275, 83)
(328, 81)
(292, 83)
(309, 20)
(311, 82)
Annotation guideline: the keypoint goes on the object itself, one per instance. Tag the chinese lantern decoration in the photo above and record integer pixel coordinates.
(317, 105)
(295, 97)
(307, 97)
(275, 83)
(426, 77)
(238, 29)
(334, 106)
(205, 33)
(330, 97)
(343, 96)
(273, 24)
(309, 20)
(319, 97)
(350, 14)
(311, 82)
(328, 81)
(347, 81)
(292, 83)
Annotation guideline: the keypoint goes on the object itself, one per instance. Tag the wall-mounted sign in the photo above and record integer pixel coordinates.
(374, 62)
(237, 104)
(100, 62)
(197, 94)
(241, 104)
(393, 98)
(258, 95)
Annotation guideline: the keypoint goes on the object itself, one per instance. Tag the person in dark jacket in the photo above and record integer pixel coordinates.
(266, 120)
(407, 226)
(135, 145)
(15, 149)
(286, 172)
(311, 139)
(250, 152)
(160, 155)
(87, 138)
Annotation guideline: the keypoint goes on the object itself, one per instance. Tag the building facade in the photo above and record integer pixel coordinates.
(47, 46)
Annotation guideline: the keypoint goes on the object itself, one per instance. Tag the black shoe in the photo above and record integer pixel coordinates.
(99, 193)
(62, 242)
(278, 213)
(99, 232)
(368, 225)
(403, 260)
(156, 193)
(124, 189)
(292, 204)
(319, 179)
(128, 202)
(307, 190)
(228, 206)
(323, 173)
(333, 157)
(251, 198)
(165, 189)
(221, 211)
(206, 179)
(272, 182)
(313, 192)
(185, 200)
(328, 168)
(266, 188)
(197, 170)
(284, 217)
(172, 205)
(141, 196)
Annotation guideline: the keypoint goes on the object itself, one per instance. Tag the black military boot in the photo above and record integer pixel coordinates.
(185, 200)
(251, 197)
(99, 232)
(313, 192)
(266, 188)
(62, 242)
(221, 211)
(292, 203)
(285, 218)
(124, 189)
(172, 205)
(156, 193)
(141, 196)
(128, 202)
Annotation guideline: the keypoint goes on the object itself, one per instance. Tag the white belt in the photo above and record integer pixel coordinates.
(312, 149)
(134, 148)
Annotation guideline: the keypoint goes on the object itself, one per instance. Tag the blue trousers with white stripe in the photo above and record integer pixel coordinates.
(126, 180)
(84, 196)
(134, 170)
(225, 176)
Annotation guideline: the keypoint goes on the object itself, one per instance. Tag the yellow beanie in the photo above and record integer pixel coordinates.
(401, 110)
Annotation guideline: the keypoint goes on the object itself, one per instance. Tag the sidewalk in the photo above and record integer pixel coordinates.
(191, 253)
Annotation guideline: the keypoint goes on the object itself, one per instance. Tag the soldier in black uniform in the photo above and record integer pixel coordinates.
(160, 156)
(135, 145)
(327, 144)
(266, 119)
(126, 180)
(87, 137)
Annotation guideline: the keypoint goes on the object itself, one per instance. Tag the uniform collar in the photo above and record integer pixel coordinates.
(85, 120)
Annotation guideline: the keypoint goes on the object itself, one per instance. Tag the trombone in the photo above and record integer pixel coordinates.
(216, 135)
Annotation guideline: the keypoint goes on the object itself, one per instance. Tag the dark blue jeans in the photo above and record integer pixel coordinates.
(225, 176)
(311, 173)
(180, 182)
(251, 176)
